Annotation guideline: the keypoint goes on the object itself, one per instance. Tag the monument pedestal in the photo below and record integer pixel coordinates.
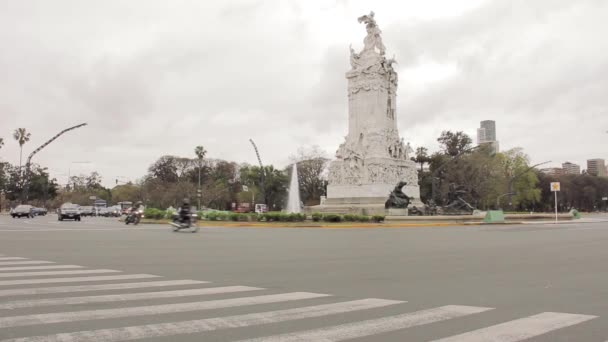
(373, 159)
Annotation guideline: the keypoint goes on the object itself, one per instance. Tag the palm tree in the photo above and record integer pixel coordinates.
(200, 154)
(22, 136)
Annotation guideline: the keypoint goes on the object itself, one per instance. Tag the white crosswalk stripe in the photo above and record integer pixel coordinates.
(75, 316)
(126, 297)
(209, 324)
(11, 258)
(102, 287)
(109, 330)
(375, 326)
(27, 262)
(74, 279)
(31, 268)
(521, 329)
(53, 273)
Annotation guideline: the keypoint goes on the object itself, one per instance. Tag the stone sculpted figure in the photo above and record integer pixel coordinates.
(456, 204)
(373, 40)
(397, 199)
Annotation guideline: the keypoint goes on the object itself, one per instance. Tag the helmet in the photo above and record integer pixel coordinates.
(186, 201)
(139, 203)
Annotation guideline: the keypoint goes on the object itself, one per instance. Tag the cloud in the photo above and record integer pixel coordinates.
(153, 79)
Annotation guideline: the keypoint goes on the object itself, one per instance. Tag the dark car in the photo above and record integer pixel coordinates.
(23, 210)
(40, 211)
(68, 211)
(87, 211)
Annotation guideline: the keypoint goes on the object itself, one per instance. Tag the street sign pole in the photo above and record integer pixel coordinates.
(555, 187)
(555, 192)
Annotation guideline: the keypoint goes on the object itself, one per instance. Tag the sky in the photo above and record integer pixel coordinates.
(152, 78)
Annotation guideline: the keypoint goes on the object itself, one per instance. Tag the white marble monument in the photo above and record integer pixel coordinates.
(372, 159)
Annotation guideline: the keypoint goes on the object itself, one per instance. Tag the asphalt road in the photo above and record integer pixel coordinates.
(98, 280)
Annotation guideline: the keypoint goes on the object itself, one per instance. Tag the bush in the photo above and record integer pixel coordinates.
(363, 218)
(350, 218)
(223, 216)
(212, 216)
(378, 218)
(233, 216)
(153, 213)
(332, 218)
(316, 217)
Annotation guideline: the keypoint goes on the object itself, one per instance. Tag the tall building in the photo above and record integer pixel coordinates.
(571, 168)
(486, 134)
(596, 167)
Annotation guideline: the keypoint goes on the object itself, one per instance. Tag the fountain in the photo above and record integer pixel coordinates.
(293, 204)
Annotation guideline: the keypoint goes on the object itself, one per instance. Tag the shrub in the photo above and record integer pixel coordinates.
(223, 216)
(350, 218)
(316, 217)
(153, 213)
(378, 218)
(212, 216)
(332, 218)
(233, 216)
(363, 218)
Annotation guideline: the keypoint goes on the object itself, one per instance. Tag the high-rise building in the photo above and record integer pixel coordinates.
(486, 134)
(571, 168)
(596, 167)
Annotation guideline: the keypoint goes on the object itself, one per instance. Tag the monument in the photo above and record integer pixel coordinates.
(373, 159)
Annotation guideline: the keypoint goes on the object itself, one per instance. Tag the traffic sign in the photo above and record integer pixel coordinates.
(245, 188)
(555, 186)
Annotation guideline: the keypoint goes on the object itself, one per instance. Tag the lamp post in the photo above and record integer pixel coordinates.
(24, 194)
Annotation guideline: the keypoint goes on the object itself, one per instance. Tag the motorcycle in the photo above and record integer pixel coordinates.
(178, 223)
(134, 217)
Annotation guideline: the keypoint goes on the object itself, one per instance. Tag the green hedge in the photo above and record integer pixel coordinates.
(281, 217)
(154, 214)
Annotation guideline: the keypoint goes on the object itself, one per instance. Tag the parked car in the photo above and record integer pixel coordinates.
(68, 211)
(22, 210)
(87, 211)
(109, 212)
(40, 211)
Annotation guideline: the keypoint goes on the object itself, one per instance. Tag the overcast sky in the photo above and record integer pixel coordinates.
(160, 77)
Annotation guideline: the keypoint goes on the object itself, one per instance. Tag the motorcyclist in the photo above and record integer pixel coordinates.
(184, 211)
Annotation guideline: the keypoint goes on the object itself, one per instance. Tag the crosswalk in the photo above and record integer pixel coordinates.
(43, 296)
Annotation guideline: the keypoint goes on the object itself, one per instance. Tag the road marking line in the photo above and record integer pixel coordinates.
(29, 262)
(125, 297)
(102, 287)
(28, 268)
(74, 279)
(11, 258)
(375, 326)
(76, 316)
(209, 324)
(52, 273)
(521, 329)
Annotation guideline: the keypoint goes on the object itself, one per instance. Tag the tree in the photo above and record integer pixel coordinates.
(22, 136)
(421, 157)
(312, 164)
(165, 169)
(454, 143)
(200, 154)
(1, 142)
(275, 183)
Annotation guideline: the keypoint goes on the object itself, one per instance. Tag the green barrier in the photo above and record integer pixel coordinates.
(494, 216)
(575, 214)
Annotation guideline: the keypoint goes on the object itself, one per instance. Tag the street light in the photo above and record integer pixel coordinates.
(24, 194)
(510, 191)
